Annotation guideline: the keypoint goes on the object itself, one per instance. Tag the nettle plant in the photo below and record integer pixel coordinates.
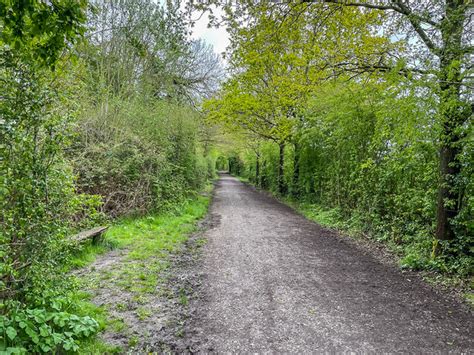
(39, 330)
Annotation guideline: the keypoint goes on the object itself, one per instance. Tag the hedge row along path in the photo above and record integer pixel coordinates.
(276, 282)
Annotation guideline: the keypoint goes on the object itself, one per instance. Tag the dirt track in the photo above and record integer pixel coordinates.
(276, 282)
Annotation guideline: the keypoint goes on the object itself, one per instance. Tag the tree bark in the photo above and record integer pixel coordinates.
(257, 170)
(454, 113)
(231, 167)
(281, 164)
(296, 172)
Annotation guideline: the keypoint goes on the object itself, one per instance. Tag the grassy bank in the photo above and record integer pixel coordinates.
(127, 271)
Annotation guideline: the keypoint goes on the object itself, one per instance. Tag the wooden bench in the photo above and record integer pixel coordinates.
(94, 234)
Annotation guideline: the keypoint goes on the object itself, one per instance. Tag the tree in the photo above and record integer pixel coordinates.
(33, 38)
(143, 46)
(37, 197)
(278, 60)
(443, 28)
(142, 77)
(438, 40)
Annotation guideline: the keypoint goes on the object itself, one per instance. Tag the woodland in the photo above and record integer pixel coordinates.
(358, 114)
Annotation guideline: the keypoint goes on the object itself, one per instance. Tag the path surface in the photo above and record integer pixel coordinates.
(275, 282)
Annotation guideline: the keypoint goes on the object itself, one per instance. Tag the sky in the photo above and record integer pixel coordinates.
(217, 37)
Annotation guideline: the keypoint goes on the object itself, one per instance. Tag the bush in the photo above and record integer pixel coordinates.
(143, 157)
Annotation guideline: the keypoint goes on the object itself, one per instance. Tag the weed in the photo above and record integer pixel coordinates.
(133, 341)
(143, 313)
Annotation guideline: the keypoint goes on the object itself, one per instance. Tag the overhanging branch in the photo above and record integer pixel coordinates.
(400, 7)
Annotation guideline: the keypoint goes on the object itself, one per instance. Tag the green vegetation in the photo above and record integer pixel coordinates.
(97, 122)
(144, 246)
(148, 242)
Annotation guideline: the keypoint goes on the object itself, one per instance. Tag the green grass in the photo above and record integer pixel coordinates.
(242, 179)
(148, 242)
(93, 345)
(325, 217)
(470, 298)
(150, 235)
(143, 313)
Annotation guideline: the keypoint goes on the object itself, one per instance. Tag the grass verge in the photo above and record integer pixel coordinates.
(145, 246)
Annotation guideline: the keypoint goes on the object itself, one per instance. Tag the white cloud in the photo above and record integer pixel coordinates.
(217, 37)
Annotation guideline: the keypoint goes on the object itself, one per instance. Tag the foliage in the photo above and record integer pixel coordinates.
(39, 330)
(36, 186)
(366, 163)
(86, 127)
(39, 30)
(144, 157)
(139, 137)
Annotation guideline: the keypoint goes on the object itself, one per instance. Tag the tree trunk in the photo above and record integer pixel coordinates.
(257, 170)
(281, 163)
(263, 177)
(454, 113)
(296, 172)
(447, 192)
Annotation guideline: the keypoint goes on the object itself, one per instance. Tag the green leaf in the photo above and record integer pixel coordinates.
(45, 348)
(32, 334)
(44, 331)
(11, 332)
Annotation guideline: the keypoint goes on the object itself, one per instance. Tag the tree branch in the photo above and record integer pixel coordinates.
(416, 23)
(382, 8)
(377, 67)
(400, 7)
(358, 4)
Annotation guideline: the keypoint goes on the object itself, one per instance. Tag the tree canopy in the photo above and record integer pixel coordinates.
(414, 56)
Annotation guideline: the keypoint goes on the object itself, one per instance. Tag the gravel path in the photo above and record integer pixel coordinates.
(275, 282)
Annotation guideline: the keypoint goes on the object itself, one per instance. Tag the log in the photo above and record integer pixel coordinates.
(94, 233)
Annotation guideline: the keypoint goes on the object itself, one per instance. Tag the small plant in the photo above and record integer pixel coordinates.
(118, 325)
(39, 330)
(143, 313)
(183, 298)
(133, 341)
(121, 307)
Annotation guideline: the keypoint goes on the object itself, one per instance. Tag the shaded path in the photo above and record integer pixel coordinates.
(276, 282)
